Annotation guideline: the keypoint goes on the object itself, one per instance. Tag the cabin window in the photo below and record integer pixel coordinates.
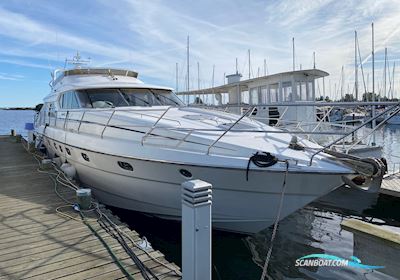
(106, 98)
(254, 96)
(273, 93)
(310, 92)
(69, 101)
(264, 97)
(287, 91)
(301, 91)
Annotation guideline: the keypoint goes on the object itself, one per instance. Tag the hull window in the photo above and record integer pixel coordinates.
(185, 173)
(125, 165)
(85, 157)
(68, 151)
(55, 145)
(61, 150)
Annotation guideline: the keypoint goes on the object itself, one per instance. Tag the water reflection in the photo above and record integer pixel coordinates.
(316, 230)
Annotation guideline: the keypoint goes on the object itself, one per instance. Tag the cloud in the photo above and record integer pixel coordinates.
(150, 36)
(10, 77)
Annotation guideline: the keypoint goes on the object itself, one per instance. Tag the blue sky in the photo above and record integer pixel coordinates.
(150, 37)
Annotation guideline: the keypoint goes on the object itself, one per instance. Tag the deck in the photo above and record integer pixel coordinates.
(38, 243)
(391, 185)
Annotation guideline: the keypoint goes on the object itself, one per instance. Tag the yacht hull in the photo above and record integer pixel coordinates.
(154, 187)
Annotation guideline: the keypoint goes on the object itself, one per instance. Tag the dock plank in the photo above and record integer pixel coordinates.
(391, 185)
(38, 243)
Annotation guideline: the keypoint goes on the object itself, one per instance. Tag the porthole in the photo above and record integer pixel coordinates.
(125, 165)
(185, 173)
(61, 150)
(68, 151)
(85, 157)
(55, 145)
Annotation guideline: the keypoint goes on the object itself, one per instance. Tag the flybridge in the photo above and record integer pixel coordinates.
(61, 73)
(77, 61)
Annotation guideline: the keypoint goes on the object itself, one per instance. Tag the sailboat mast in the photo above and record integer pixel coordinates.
(294, 67)
(212, 80)
(236, 66)
(265, 67)
(394, 65)
(373, 86)
(313, 60)
(249, 65)
(355, 66)
(176, 77)
(198, 75)
(187, 64)
(384, 74)
(342, 83)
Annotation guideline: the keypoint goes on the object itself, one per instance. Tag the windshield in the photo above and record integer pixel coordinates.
(109, 98)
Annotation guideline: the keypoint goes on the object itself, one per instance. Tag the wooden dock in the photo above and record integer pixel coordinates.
(391, 185)
(38, 243)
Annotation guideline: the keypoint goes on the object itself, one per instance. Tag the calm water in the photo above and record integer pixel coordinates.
(313, 229)
(15, 119)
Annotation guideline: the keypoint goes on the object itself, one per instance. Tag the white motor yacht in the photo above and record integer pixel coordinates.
(134, 144)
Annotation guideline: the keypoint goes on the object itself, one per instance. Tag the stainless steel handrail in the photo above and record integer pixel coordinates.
(154, 125)
(281, 116)
(374, 129)
(226, 131)
(66, 119)
(354, 130)
(108, 122)
(80, 121)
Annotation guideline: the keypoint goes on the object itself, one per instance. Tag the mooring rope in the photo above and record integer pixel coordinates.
(265, 267)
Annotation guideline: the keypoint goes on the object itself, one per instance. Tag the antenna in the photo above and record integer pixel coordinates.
(294, 67)
(77, 61)
(224, 78)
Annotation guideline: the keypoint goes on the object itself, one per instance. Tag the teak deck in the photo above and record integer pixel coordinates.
(391, 185)
(37, 243)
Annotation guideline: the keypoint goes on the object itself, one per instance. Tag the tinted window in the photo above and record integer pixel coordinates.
(109, 98)
(106, 98)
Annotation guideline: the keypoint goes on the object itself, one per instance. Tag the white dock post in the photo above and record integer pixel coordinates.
(196, 230)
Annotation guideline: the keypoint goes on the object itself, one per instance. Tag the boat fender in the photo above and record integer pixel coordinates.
(57, 161)
(262, 160)
(68, 170)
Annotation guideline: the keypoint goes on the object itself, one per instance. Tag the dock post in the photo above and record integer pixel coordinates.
(196, 230)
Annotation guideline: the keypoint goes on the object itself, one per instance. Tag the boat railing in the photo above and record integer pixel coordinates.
(154, 126)
(113, 113)
(226, 131)
(394, 109)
